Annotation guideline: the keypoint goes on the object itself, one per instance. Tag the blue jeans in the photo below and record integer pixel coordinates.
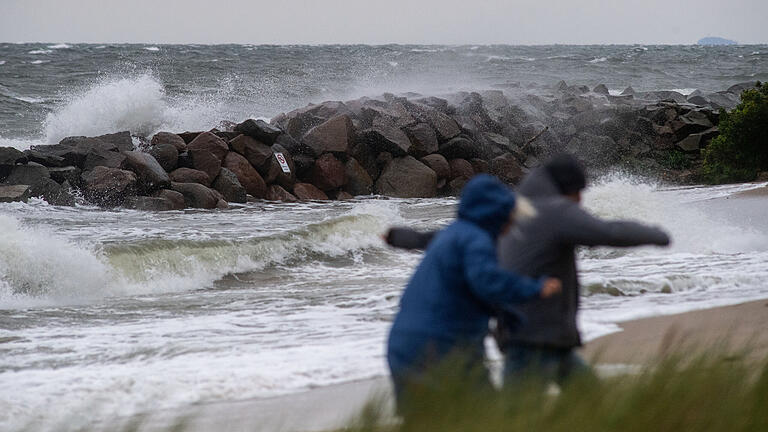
(551, 364)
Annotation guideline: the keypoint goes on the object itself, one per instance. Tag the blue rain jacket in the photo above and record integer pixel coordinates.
(451, 296)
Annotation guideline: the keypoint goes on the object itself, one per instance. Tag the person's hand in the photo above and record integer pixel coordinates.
(551, 287)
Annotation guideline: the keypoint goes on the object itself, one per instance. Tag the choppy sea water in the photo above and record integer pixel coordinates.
(107, 313)
(113, 313)
(52, 90)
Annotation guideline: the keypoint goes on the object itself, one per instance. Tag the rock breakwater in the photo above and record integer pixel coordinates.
(393, 145)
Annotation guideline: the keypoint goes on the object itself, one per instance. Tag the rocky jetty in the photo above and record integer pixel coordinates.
(393, 145)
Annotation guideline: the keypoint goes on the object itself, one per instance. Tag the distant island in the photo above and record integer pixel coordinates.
(716, 41)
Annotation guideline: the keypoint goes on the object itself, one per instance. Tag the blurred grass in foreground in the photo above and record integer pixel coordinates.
(704, 392)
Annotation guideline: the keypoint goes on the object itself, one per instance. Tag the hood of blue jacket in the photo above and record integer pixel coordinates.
(486, 202)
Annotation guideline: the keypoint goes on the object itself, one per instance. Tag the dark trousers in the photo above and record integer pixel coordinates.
(550, 364)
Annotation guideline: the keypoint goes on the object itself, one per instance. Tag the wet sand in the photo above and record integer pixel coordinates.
(733, 328)
(752, 193)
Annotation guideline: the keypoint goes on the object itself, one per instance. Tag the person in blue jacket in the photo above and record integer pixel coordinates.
(447, 303)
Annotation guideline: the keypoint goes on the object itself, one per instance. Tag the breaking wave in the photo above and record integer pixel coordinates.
(38, 267)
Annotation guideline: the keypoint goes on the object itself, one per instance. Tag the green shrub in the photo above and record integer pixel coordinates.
(676, 160)
(740, 152)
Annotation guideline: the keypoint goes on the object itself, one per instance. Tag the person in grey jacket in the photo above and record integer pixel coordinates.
(542, 334)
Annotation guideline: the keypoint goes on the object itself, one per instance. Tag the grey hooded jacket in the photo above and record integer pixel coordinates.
(546, 245)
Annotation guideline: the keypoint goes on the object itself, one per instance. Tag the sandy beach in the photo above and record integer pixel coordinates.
(641, 341)
(735, 328)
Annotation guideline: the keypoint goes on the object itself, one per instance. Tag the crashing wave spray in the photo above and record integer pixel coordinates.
(134, 104)
(35, 263)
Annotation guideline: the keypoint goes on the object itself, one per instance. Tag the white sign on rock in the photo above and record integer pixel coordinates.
(283, 163)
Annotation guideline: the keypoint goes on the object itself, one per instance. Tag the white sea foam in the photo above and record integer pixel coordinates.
(152, 48)
(684, 91)
(136, 104)
(692, 229)
(715, 258)
(37, 263)
(40, 267)
(19, 144)
(37, 62)
(2, 62)
(59, 46)
(598, 60)
(40, 51)
(139, 104)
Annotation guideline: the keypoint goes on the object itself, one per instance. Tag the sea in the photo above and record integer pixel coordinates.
(110, 313)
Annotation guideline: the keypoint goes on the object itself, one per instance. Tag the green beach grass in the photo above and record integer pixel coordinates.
(707, 391)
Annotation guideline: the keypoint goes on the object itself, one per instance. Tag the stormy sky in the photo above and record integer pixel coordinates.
(383, 21)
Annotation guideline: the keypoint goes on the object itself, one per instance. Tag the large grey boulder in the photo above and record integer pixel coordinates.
(439, 165)
(395, 113)
(601, 89)
(150, 175)
(507, 168)
(45, 158)
(196, 195)
(461, 168)
(38, 178)
(75, 150)
(423, 139)
(406, 177)
(445, 126)
(255, 151)
(102, 157)
(358, 180)
(108, 186)
(460, 147)
(189, 175)
(145, 203)
(175, 198)
(11, 193)
(335, 135)
(385, 136)
(8, 158)
(689, 123)
(167, 155)
(229, 186)
(169, 138)
(29, 174)
(260, 130)
(69, 174)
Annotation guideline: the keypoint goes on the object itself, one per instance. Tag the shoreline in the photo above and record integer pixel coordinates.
(734, 328)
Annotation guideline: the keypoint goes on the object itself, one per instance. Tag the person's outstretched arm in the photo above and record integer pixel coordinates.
(581, 228)
(406, 238)
(496, 286)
